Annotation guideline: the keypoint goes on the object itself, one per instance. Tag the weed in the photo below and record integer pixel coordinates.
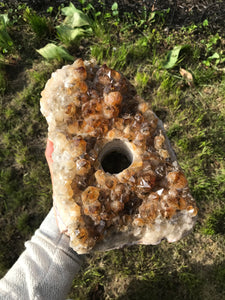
(40, 25)
(52, 51)
(141, 79)
(140, 49)
(174, 56)
(75, 26)
(158, 16)
(50, 9)
(6, 42)
(115, 13)
(213, 58)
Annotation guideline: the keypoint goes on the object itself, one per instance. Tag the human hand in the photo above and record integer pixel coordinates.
(48, 154)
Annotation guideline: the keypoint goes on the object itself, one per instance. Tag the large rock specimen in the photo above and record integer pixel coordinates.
(116, 178)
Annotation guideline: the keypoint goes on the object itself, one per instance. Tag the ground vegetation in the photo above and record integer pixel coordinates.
(173, 53)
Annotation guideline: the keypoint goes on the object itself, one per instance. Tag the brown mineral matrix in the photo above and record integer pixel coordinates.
(116, 178)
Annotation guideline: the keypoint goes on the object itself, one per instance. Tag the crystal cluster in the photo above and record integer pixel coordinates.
(116, 178)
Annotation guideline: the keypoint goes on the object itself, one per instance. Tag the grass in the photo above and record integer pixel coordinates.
(39, 25)
(194, 117)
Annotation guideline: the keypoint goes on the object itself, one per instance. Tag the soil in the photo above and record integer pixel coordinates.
(181, 13)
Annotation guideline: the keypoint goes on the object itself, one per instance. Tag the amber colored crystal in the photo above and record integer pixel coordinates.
(116, 178)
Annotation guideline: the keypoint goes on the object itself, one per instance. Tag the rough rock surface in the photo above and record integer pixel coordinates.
(116, 178)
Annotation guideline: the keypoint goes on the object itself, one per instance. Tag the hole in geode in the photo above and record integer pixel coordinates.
(115, 157)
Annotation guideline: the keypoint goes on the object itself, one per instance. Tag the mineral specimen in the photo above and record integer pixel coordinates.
(116, 178)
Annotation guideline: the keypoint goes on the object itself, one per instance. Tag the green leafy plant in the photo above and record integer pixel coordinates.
(52, 51)
(159, 16)
(75, 26)
(214, 58)
(174, 56)
(6, 42)
(50, 9)
(39, 25)
(205, 23)
(115, 13)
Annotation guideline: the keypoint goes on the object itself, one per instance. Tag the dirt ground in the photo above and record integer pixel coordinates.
(181, 12)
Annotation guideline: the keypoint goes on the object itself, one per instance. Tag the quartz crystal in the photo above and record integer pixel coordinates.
(116, 178)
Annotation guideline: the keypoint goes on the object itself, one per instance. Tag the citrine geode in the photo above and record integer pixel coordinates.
(116, 178)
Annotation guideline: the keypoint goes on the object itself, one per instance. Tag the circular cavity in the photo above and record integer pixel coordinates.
(115, 157)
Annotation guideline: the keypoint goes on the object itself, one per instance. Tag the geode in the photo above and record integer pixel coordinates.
(116, 178)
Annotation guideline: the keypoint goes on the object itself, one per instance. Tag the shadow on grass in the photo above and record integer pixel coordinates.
(196, 282)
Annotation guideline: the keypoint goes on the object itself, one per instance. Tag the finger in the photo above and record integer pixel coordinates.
(49, 150)
(48, 154)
